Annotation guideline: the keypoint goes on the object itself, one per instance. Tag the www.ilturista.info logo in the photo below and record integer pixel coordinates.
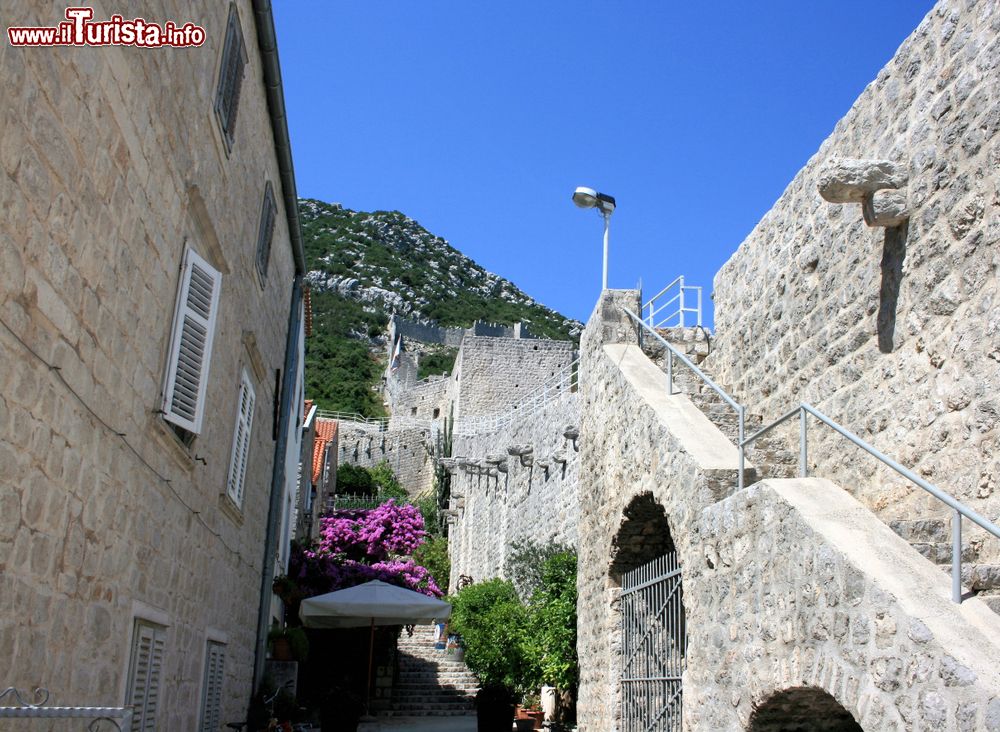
(80, 30)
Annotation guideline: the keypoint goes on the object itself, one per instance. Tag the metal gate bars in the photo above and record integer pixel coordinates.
(654, 644)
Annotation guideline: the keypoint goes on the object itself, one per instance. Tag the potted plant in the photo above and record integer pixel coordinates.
(288, 643)
(494, 627)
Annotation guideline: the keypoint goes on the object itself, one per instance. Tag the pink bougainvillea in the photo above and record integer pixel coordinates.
(356, 546)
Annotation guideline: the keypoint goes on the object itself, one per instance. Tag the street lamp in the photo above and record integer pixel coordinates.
(605, 204)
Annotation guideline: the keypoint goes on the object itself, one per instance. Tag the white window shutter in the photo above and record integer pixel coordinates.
(215, 661)
(191, 343)
(145, 676)
(241, 441)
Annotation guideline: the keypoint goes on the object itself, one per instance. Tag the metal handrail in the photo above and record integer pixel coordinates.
(35, 708)
(671, 353)
(679, 298)
(380, 422)
(959, 508)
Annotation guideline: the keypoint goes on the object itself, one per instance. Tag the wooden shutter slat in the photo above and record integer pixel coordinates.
(191, 343)
(241, 441)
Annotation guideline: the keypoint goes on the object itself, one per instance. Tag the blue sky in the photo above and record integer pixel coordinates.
(479, 119)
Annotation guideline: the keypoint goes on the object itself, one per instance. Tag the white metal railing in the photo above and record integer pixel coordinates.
(959, 509)
(536, 400)
(674, 353)
(379, 423)
(653, 309)
(35, 708)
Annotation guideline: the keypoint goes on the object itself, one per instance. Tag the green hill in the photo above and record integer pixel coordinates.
(363, 267)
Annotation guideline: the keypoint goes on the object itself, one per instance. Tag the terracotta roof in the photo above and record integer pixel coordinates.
(326, 431)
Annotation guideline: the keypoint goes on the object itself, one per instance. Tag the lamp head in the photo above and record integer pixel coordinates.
(589, 198)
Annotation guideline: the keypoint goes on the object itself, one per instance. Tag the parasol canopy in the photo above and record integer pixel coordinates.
(373, 603)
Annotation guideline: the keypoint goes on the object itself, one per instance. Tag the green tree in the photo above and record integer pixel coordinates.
(433, 554)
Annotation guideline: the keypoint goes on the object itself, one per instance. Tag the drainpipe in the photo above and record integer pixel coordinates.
(268, 43)
(287, 406)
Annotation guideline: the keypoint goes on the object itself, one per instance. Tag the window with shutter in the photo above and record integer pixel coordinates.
(215, 659)
(241, 441)
(265, 232)
(227, 97)
(191, 343)
(145, 674)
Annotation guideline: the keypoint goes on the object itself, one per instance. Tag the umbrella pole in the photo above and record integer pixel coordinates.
(371, 652)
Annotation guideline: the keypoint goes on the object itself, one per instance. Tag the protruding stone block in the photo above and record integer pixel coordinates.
(844, 180)
(885, 208)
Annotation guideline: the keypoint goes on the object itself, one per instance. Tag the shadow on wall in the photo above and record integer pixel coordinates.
(893, 254)
(802, 708)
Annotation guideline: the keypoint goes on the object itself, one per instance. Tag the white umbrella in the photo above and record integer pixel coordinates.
(376, 603)
(373, 603)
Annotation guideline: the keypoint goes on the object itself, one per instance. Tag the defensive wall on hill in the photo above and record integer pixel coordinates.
(870, 291)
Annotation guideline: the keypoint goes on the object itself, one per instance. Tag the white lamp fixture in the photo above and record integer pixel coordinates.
(589, 198)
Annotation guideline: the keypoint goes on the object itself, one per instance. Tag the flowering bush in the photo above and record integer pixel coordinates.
(357, 546)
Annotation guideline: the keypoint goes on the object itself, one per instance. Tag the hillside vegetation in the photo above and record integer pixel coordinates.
(363, 267)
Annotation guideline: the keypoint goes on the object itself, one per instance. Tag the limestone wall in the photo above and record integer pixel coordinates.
(894, 336)
(407, 450)
(496, 508)
(111, 160)
(494, 374)
(786, 584)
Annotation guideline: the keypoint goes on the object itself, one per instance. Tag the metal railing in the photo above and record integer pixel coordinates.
(379, 423)
(958, 508)
(803, 410)
(674, 353)
(33, 707)
(351, 502)
(532, 403)
(652, 310)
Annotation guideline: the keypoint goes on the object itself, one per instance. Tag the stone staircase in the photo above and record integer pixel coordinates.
(773, 457)
(430, 682)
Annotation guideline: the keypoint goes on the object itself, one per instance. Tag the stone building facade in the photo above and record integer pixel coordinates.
(134, 515)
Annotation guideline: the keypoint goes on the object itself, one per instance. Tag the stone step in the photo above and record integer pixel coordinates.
(923, 531)
(941, 553)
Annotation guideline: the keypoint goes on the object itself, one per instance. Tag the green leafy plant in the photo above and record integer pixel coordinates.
(526, 562)
(385, 481)
(433, 554)
(355, 481)
(494, 625)
(437, 360)
(296, 637)
(552, 614)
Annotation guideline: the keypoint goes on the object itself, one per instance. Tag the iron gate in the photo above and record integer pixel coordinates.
(654, 644)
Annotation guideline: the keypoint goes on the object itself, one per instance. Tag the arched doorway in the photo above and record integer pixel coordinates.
(653, 639)
(802, 709)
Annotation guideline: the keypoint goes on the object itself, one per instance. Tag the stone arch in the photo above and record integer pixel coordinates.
(802, 709)
(642, 536)
(650, 628)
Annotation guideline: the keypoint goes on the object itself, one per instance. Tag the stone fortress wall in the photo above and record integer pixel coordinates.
(496, 374)
(891, 332)
(407, 449)
(497, 499)
(794, 589)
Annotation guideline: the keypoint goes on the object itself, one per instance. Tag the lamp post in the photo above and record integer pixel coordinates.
(605, 204)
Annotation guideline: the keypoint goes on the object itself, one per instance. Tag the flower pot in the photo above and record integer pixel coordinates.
(281, 649)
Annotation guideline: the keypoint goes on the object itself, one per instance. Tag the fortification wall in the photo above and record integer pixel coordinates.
(426, 400)
(894, 336)
(788, 584)
(494, 374)
(423, 332)
(406, 449)
(495, 509)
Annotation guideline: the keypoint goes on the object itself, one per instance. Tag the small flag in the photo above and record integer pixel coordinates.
(394, 366)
